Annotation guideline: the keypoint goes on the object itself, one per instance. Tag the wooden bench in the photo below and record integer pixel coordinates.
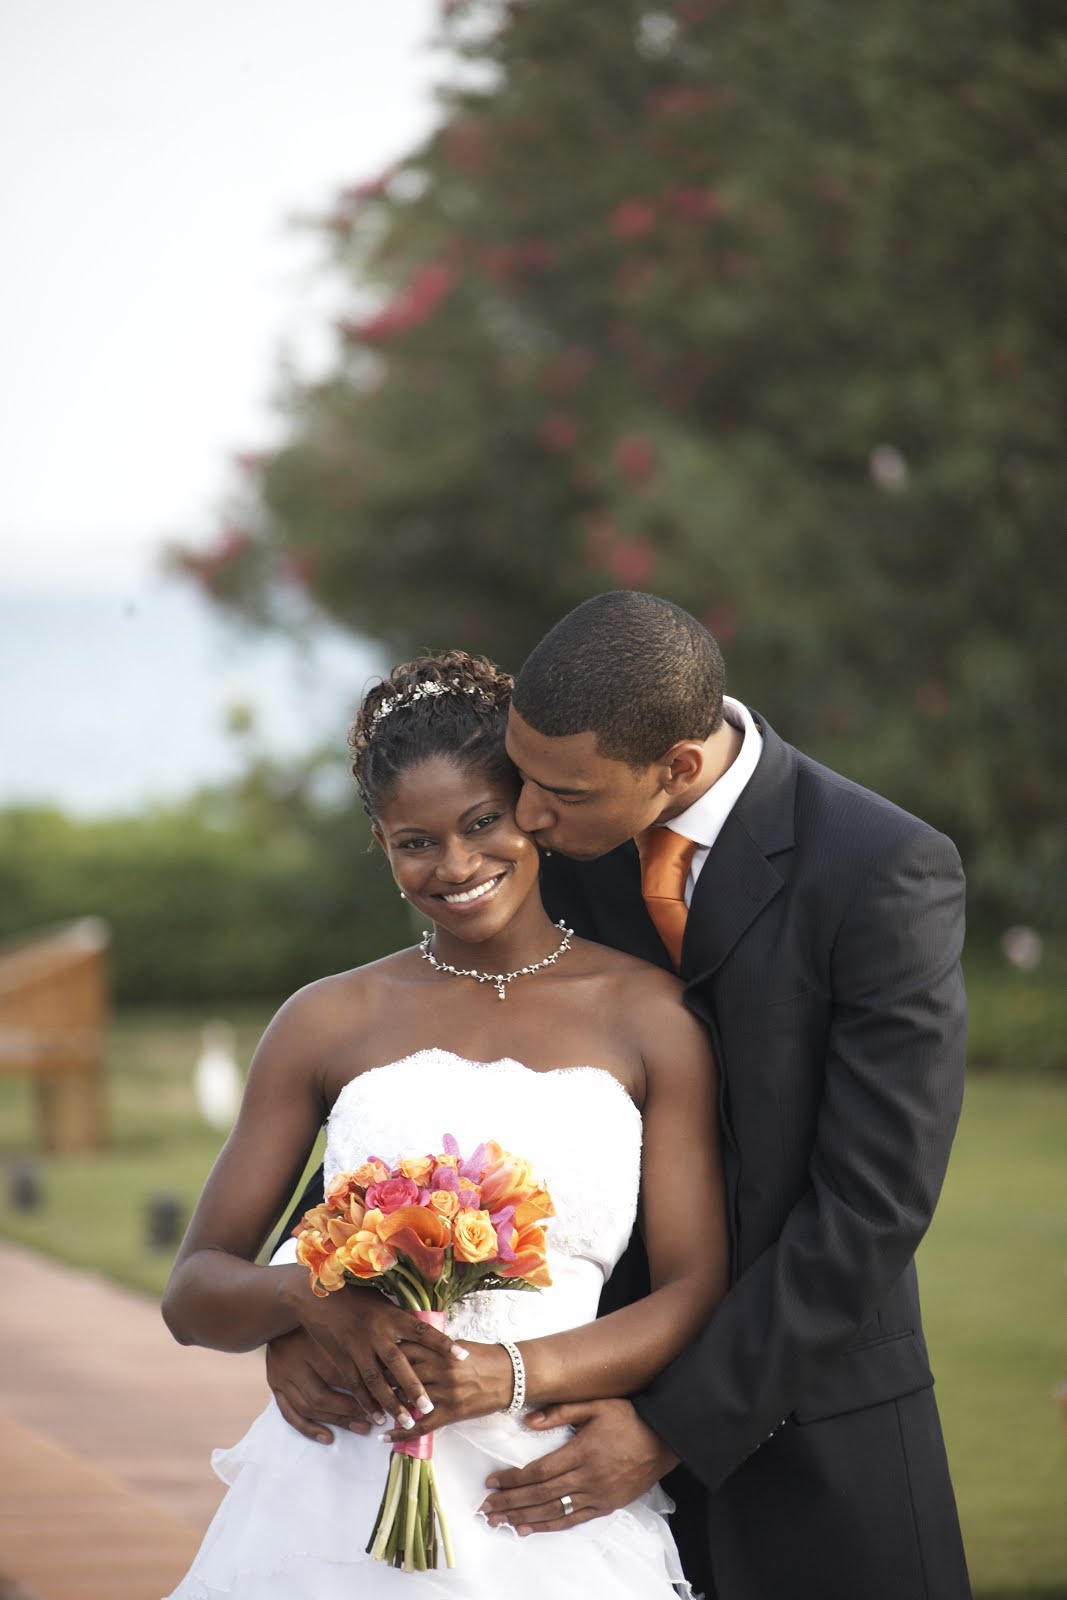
(54, 1003)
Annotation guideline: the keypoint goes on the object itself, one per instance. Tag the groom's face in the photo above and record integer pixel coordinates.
(575, 800)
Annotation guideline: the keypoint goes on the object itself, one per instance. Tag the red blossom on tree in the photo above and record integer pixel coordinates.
(632, 564)
(463, 144)
(559, 431)
(635, 456)
(409, 310)
(632, 218)
(694, 205)
(721, 621)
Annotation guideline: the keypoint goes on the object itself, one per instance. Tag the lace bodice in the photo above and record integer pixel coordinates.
(577, 1127)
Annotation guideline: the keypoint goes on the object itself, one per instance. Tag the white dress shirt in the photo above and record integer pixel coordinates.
(703, 820)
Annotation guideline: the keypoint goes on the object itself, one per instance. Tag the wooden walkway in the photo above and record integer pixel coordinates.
(106, 1428)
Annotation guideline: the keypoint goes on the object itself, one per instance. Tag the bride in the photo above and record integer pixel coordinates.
(590, 1069)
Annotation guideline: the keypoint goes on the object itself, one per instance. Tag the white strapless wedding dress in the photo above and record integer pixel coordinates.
(298, 1514)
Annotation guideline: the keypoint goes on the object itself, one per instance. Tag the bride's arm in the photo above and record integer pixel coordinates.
(683, 1220)
(217, 1295)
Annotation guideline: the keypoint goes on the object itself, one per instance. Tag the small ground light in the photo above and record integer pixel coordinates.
(165, 1221)
(26, 1186)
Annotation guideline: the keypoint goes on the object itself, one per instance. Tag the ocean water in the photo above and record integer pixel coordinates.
(109, 702)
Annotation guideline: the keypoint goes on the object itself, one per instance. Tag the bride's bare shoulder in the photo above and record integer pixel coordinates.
(626, 971)
(342, 1002)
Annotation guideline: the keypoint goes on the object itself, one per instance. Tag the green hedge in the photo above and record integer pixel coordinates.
(203, 907)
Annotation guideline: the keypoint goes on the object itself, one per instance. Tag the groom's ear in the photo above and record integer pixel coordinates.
(684, 765)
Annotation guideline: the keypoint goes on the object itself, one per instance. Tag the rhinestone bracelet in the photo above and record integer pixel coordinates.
(518, 1367)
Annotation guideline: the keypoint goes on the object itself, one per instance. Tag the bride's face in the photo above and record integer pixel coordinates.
(455, 848)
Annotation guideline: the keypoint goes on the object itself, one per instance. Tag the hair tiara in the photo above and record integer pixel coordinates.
(427, 689)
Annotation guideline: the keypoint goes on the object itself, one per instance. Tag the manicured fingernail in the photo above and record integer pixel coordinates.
(459, 1352)
(405, 1420)
(424, 1405)
(380, 1418)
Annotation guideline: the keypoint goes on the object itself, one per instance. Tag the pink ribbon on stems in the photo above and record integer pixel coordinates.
(421, 1449)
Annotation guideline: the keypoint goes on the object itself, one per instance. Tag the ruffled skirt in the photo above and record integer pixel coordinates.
(298, 1516)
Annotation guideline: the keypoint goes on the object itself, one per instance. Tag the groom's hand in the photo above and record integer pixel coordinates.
(309, 1389)
(613, 1458)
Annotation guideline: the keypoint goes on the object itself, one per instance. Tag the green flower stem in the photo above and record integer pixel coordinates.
(442, 1521)
(388, 1509)
(411, 1511)
(417, 1296)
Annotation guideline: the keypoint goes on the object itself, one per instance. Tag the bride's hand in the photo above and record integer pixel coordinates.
(369, 1342)
(460, 1390)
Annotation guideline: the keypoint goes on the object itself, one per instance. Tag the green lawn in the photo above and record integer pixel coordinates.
(993, 1286)
(992, 1269)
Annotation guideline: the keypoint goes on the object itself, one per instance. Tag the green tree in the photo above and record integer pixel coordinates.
(758, 307)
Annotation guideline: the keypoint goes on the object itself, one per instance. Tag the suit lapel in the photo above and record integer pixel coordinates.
(739, 878)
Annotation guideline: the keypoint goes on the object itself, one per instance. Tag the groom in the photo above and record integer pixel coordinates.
(817, 930)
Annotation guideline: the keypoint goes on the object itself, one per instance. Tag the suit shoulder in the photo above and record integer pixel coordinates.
(847, 815)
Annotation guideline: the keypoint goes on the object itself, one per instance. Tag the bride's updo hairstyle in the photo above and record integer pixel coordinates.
(447, 704)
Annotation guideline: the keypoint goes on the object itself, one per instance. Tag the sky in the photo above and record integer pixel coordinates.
(152, 160)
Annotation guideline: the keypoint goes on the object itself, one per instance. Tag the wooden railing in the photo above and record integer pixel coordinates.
(54, 1004)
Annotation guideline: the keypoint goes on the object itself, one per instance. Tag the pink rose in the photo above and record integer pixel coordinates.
(389, 1196)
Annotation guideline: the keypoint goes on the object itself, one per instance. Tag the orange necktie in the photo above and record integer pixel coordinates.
(665, 857)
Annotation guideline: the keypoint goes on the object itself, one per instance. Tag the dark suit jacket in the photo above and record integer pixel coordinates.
(822, 951)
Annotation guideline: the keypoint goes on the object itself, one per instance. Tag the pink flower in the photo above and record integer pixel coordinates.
(631, 565)
(558, 431)
(632, 218)
(695, 205)
(636, 458)
(389, 1196)
(413, 306)
(721, 623)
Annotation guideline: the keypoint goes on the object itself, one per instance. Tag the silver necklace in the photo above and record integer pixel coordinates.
(499, 979)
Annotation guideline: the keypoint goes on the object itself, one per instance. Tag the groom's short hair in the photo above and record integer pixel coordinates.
(637, 671)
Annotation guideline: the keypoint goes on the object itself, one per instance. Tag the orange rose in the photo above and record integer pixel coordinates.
(535, 1208)
(417, 1168)
(370, 1172)
(474, 1237)
(444, 1201)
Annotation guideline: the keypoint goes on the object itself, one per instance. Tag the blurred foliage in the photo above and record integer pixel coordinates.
(760, 308)
(1017, 1020)
(252, 890)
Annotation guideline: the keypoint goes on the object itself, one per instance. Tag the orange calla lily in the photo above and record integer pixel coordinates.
(419, 1233)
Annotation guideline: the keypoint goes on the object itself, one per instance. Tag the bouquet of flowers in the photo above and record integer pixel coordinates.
(426, 1232)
